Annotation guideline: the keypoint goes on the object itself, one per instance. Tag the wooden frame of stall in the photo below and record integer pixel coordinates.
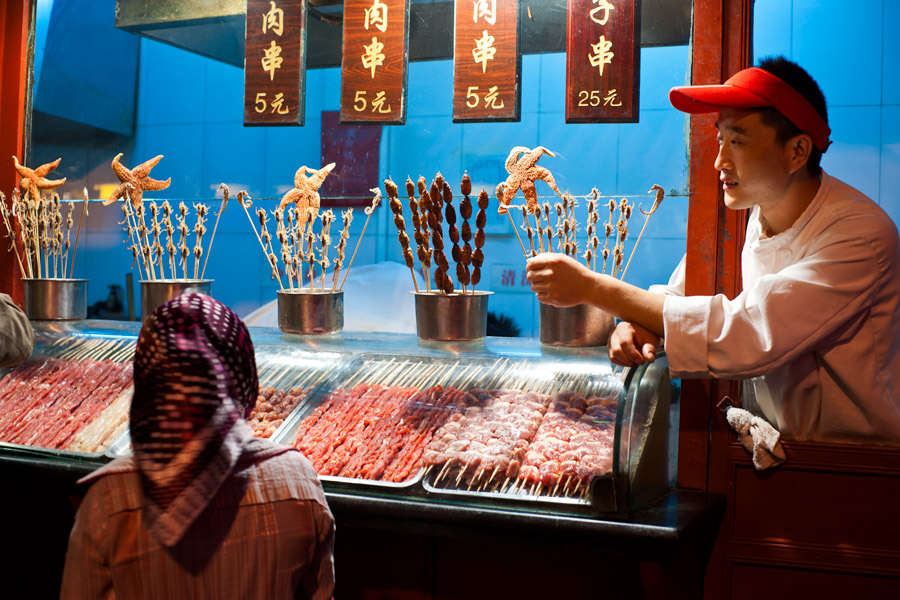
(820, 525)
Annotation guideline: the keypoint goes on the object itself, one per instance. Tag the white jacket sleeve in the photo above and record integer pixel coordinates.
(797, 310)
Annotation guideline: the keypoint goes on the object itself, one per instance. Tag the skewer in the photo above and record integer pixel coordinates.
(376, 202)
(499, 192)
(479, 473)
(246, 204)
(442, 473)
(659, 198)
(10, 231)
(461, 472)
(494, 472)
(224, 189)
(575, 489)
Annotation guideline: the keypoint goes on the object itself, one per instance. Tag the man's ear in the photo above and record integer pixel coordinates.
(798, 150)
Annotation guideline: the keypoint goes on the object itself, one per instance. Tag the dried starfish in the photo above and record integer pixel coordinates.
(305, 194)
(523, 172)
(138, 178)
(35, 180)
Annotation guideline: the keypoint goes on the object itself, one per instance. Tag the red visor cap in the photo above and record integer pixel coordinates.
(753, 88)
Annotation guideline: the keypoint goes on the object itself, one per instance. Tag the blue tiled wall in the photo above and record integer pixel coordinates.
(853, 53)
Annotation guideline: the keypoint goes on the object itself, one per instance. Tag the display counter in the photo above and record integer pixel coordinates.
(502, 440)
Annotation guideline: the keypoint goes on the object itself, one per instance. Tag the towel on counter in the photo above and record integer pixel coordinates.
(757, 436)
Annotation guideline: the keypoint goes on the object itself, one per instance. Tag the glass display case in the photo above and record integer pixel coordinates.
(501, 422)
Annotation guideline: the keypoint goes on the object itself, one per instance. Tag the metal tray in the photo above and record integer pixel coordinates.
(120, 447)
(280, 378)
(363, 369)
(8, 447)
(601, 495)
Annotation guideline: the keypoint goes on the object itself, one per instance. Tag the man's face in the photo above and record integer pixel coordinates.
(753, 166)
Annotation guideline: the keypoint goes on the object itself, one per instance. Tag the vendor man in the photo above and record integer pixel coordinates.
(16, 334)
(816, 329)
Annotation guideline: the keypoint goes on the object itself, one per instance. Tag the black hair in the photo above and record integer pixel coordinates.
(795, 76)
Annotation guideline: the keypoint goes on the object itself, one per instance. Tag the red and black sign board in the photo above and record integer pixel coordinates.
(275, 62)
(374, 61)
(486, 61)
(355, 151)
(603, 61)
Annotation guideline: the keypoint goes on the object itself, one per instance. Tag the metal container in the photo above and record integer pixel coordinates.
(451, 317)
(158, 292)
(310, 313)
(55, 299)
(579, 325)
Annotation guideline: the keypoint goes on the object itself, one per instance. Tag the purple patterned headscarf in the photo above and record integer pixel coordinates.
(195, 382)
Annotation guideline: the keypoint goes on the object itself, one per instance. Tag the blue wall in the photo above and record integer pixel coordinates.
(853, 52)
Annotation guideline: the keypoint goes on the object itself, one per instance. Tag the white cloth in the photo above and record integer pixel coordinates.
(758, 437)
(377, 297)
(816, 328)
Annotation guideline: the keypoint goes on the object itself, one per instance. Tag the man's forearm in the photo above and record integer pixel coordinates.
(628, 302)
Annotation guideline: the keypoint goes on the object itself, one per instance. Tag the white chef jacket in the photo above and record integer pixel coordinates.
(816, 329)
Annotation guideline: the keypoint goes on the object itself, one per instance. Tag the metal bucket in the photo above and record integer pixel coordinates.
(55, 299)
(579, 325)
(158, 292)
(451, 317)
(310, 313)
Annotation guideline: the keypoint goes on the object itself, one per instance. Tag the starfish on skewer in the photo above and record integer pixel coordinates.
(523, 172)
(138, 178)
(34, 181)
(305, 194)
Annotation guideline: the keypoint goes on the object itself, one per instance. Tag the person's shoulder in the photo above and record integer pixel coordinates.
(844, 200)
(115, 487)
(294, 462)
(852, 213)
(852, 217)
(277, 463)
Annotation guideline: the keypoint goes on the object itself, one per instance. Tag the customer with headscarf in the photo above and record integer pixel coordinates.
(16, 334)
(202, 509)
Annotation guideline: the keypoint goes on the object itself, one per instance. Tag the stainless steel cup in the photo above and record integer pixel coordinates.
(310, 313)
(158, 292)
(451, 317)
(55, 299)
(579, 325)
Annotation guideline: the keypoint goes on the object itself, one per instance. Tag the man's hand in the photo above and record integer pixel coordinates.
(559, 280)
(630, 345)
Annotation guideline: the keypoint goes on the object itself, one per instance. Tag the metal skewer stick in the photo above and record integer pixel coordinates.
(499, 193)
(442, 472)
(131, 219)
(376, 201)
(246, 205)
(224, 189)
(659, 198)
(9, 229)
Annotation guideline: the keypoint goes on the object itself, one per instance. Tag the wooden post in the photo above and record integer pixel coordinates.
(721, 47)
(14, 22)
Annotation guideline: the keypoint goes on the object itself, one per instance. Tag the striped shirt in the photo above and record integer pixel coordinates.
(268, 533)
